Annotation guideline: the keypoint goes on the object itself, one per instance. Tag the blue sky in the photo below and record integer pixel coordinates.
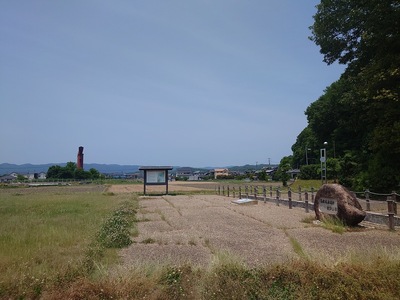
(184, 83)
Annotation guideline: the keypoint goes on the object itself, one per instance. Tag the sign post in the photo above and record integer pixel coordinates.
(155, 175)
(323, 164)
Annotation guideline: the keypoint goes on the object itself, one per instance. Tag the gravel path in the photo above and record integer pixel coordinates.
(197, 229)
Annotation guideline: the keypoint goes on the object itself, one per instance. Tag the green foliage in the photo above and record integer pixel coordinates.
(334, 224)
(310, 172)
(70, 171)
(21, 177)
(263, 176)
(115, 231)
(351, 31)
(297, 247)
(306, 185)
(226, 177)
(305, 150)
(284, 166)
(45, 237)
(359, 114)
(94, 174)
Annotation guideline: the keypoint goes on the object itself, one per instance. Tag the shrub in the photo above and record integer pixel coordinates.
(115, 232)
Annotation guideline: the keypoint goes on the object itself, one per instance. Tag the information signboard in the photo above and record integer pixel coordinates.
(328, 206)
(155, 177)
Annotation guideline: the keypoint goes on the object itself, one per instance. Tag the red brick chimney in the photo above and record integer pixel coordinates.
(79, 159)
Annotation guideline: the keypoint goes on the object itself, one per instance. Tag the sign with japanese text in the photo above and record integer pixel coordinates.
(328, 206)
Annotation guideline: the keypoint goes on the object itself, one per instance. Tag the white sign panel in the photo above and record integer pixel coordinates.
(155, 176)
(328, 206)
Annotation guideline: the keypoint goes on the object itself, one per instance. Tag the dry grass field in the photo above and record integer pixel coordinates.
(64, 243)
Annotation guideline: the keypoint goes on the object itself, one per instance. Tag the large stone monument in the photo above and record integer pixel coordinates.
(334, 200)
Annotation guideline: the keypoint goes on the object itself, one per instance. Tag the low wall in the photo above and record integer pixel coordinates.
(381, 218)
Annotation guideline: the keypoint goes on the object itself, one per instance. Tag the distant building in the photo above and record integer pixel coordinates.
(293, 173)
(184, 172)
(42, 175)
(196, 176)
(7, 178)
(220, 172)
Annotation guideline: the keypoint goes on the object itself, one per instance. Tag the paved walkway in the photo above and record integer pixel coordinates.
(203, 228)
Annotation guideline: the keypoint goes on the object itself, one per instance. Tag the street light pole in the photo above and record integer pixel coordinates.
(307, 149)
(323, 163)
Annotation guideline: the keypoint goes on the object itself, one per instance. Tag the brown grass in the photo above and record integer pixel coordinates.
(205, 247)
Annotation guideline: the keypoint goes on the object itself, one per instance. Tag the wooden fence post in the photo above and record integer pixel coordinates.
(240, 192)
(306, 200)
(270, 192)
(367, 200)
(312, 195)
(265, 194)
(277, 196)
(234, 192)
(219, 190)
(255, 192)
(394, 202)
(300, 193)
(246, 189)
(290, 198)
(390, 212)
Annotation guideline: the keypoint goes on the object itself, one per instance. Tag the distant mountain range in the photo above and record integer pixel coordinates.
(30, 168)
(6, 168)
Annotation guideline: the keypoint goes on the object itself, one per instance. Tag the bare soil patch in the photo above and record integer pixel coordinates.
(196, 229)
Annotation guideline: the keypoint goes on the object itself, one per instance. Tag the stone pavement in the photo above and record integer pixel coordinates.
(202, 228)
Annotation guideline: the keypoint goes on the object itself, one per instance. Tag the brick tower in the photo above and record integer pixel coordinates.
(79, 159)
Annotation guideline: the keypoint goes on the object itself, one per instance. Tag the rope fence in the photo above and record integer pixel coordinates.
(305, 198)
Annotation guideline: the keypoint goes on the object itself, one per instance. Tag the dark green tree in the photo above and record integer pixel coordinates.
(94, 174)
(284, 165)
(360, 113)
(81, 174)
(305, 150)
(310, 171)
(70, 171)
(262, 175)
(54, 172)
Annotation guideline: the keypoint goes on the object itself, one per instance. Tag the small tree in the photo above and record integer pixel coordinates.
(94, 174)
(284, 166)
(21, 177)
(310, 172)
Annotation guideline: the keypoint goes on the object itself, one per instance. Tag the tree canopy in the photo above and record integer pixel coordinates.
(70, 171)
(358, 115)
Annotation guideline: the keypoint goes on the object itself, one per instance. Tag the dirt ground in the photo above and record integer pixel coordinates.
(173, 186)
(198, 229)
